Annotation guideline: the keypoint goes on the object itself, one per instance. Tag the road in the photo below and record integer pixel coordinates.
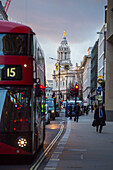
(54, 132)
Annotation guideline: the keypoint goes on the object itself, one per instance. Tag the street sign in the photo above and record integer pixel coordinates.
(100, 77)
(66, 66)
(56, 67)
(99, 81)
(99, 89)
(98, 92)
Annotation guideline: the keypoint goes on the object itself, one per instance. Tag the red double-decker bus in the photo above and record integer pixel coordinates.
(22, 90)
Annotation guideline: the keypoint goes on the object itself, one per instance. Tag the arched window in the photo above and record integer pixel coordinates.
(63, 83)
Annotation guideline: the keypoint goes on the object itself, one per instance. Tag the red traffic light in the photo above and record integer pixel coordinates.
(53, 96)
(76, 86)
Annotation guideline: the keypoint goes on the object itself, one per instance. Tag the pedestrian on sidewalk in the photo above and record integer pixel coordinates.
(100, 117)
(95, 106)
(70, 110)
(77, 111)
(87, 110)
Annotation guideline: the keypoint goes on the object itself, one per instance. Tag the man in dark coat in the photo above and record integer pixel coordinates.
(100, 117)
(77, 111)
(70, 111)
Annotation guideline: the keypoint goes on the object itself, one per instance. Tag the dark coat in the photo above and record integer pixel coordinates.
(70, 110)
(77, 109)
(100, 121)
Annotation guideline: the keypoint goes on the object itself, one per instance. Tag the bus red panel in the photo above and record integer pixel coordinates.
(12, 27)
(27, 69)
(7, 149)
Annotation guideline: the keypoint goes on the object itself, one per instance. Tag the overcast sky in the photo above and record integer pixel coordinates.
(81, 19)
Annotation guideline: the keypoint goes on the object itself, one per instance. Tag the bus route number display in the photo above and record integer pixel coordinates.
(11, 72)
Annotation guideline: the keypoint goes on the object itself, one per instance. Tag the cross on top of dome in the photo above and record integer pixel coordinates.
(64, 41)
(64, 33)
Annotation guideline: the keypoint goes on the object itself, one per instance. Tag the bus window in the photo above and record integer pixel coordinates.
(15, 112)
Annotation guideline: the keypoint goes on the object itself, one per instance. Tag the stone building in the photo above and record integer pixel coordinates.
(79, 79)
(64, 74)
(49, 88)
(109, 63)
(94, 73)
(86, 64)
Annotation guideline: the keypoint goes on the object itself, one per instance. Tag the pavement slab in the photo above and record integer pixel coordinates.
(86, 149)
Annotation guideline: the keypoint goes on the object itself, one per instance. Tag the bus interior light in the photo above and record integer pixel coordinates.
(21, 120)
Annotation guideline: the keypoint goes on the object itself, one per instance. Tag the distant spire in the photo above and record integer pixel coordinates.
(64, 33)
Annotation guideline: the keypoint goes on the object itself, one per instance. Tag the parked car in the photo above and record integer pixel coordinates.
(51, 107)
(47, 114)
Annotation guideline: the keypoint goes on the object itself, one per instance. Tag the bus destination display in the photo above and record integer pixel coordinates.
(10, 72)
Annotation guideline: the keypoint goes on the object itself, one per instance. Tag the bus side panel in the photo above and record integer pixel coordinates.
(9, 143)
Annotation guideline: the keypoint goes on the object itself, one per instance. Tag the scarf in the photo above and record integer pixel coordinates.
(100, 113)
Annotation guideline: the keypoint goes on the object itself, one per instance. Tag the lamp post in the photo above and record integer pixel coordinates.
(58, 79)
(59, 85)
(66, 89)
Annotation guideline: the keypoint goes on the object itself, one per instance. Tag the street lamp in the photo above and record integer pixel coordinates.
(58, 78)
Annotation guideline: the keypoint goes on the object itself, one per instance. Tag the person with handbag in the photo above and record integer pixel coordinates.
(99, 118)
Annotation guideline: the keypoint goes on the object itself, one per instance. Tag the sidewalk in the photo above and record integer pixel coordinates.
(82, 148)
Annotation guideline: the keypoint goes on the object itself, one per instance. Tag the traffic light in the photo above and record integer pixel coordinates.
(53, 96)
(72, 91)
(76, 90)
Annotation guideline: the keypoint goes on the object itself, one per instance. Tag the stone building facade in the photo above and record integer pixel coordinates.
(64, 74)
(86, 63)
(109, 63)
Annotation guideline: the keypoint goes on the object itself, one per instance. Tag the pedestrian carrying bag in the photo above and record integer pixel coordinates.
(94, 123)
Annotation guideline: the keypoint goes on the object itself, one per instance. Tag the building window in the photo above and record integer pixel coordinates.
(56, 83)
